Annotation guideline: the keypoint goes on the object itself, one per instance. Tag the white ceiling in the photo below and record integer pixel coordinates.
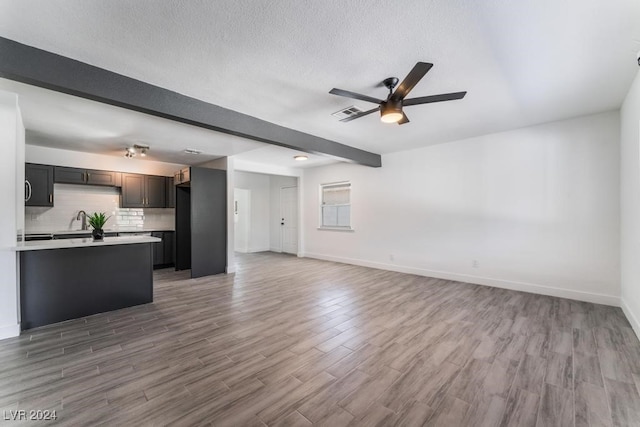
(522, 62)
(280, 156)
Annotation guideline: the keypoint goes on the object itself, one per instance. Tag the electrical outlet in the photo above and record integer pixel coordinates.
(475, 264)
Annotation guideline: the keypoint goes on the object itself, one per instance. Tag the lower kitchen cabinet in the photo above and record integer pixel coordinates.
(163, 252)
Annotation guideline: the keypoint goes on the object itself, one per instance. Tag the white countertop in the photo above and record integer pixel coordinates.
(86, 242)
(112, 230)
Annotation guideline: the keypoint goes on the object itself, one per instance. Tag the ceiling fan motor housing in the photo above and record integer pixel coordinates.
(390, 82)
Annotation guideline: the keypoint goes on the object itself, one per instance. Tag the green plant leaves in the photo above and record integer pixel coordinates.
(97, 220)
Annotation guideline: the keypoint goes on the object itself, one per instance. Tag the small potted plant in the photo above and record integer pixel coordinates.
(97, 221)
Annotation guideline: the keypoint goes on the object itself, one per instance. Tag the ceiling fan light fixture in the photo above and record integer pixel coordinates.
(391, 111)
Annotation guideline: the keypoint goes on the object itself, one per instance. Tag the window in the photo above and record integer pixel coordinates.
(335, 206)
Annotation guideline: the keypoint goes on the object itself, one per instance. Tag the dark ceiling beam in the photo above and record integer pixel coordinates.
(38, 67)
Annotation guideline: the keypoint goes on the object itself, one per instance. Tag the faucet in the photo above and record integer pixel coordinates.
(83, 214)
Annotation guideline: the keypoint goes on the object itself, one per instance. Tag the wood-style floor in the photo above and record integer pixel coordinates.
(288, 341)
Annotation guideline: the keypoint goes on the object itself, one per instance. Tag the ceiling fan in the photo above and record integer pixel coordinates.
(391, 108)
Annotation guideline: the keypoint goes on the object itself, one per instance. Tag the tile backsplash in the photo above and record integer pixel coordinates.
(70, 199)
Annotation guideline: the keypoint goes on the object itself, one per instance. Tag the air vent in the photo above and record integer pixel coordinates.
(347, 112)
(192, 151)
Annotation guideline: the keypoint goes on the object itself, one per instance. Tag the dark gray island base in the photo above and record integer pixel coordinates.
(70, 282)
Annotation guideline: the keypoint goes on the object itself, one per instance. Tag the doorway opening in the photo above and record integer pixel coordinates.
(266, 213)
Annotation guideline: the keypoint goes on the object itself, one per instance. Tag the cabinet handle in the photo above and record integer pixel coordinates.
(84, 177)
(29, 190)
(50, 198)
(88, 175)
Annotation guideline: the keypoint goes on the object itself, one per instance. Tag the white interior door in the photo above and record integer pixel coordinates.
(289, 219)
(242, 218)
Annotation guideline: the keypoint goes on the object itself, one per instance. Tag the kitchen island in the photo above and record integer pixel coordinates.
(72, 278)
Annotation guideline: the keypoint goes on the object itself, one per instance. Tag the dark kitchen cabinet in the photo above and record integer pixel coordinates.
(170, 247)
(171, 193)
(38, 185)
(163, 251)
(158, 249)
(133, 191)
(107, 178)
(156, 191)
(142, 191)
(65, 175)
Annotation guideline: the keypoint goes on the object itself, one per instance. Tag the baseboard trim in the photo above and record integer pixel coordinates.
(479, 280)
(9, 331)
(631, 317)
(258, 249)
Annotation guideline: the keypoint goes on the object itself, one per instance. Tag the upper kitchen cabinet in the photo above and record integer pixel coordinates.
(156, 191)
(183, 176)
(38, 185)
(65, 175)
(171, 193)
(142, 191)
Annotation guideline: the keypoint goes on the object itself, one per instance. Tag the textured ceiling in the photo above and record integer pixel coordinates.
(522, 62)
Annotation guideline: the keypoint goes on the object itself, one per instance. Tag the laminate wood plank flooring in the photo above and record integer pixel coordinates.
(291, 341)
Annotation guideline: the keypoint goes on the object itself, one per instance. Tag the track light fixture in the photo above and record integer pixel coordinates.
(136, 149)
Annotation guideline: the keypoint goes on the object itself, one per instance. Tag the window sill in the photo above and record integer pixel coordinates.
(347, 229)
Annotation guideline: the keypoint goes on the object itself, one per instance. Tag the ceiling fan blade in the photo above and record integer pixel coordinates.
(354, 95)
(412, 79)
(404, 119)
(357, 116)
(434, 98)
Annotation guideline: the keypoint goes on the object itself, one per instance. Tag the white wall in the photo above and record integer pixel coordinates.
(538, 208)
(276, 183)
(231, 182)
(267, 169)
(12, 191)
(630, 204)
(259, 185)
